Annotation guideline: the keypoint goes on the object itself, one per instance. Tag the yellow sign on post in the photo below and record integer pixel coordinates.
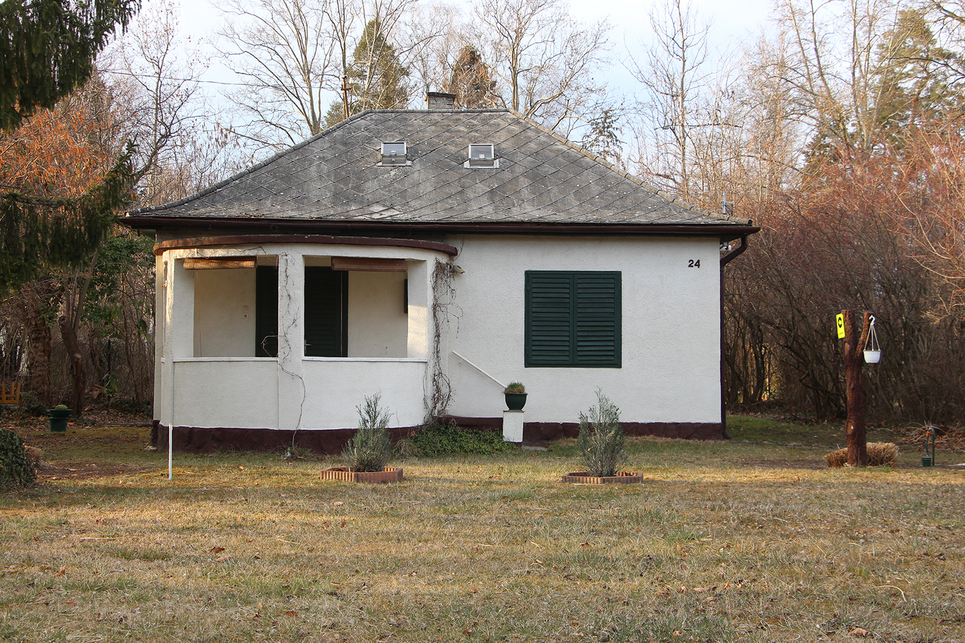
(839, 320)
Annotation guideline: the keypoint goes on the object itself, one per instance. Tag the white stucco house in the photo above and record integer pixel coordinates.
(433, 256)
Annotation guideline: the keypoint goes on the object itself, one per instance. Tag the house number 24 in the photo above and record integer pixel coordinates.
(693, 263)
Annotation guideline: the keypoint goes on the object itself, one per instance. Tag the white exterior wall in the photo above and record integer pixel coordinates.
(224, 313)
(235, 390)
(226, 392)
(377, 323)
(670, 329)
(338, 385)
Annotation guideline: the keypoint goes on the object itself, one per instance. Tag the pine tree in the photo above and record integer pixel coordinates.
(914, 77)
(47, 50)
(603, 138)
(472, 81)
(377, 78)
(61, 188)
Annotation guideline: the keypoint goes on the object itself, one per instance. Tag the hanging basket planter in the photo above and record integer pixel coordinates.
(872, 349)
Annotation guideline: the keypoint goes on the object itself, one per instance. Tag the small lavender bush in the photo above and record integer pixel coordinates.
(601, 442)
(371, 448)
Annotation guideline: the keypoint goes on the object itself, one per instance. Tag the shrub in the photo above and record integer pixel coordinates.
(601, 443)
(438, 439)
(516, 388)
(371, 448)
(31, 404)
(16, 468)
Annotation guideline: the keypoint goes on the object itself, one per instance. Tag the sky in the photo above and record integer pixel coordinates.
(732, 22)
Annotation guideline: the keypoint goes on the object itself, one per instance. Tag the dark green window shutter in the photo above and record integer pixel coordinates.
(326, 312)
(549, 304)
(573, 319)
(597, 315)
(266, 311)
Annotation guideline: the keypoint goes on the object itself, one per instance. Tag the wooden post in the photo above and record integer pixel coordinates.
(853, 361)
(345, 89)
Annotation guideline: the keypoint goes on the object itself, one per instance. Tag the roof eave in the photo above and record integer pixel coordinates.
(725, 231)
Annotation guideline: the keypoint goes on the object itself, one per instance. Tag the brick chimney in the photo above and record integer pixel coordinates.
(440, 101)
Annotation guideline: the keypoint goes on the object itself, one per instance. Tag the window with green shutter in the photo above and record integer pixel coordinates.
(573, 318)
(326, 312)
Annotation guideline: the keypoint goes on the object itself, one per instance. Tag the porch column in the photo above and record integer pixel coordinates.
(161, 338)
(419, 340)
(178, 313)
(425, 339)
(291, 340)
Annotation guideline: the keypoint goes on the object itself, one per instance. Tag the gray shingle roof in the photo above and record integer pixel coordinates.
(335, 177)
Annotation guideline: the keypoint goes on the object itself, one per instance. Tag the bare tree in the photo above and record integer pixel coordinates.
(153, 76)
(295, 56)
(284, 51)
(856, 69)
(544, 61)
(673, 75)
(772, 136)
(433, 36)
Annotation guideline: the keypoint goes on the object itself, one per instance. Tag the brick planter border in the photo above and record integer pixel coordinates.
(584, 477)
(389, 474)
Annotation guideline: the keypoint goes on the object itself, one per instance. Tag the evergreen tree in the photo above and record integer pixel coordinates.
(915, 76)
(603, 139)
(62, 185)
(47, 50)
(377, 79)
(472, 81)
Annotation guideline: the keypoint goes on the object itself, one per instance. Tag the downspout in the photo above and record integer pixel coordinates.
(730, 256)
(726, 259)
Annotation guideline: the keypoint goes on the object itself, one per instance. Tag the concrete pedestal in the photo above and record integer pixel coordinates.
(513, 426)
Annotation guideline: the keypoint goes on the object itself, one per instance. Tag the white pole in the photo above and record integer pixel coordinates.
(479, 369)
(171, 451)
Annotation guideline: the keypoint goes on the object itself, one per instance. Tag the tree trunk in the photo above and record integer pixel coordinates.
(853, 361)
(68, 333)
(38, 343)
(75, 295)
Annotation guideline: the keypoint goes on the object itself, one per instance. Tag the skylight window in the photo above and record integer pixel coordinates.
(482, 155)
(394, 154)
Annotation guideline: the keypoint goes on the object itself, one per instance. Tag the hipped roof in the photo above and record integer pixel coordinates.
(542, 183)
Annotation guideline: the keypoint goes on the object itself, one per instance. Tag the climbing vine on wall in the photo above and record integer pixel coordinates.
(440, 391)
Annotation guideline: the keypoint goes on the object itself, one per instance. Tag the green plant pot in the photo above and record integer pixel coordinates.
(58, 420)
(515, 401)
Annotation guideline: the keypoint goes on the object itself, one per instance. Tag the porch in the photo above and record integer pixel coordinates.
(292, 337)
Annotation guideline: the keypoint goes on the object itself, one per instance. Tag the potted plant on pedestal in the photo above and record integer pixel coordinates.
(58, 418)
(368, 453)
(602, 446)
(515, 396)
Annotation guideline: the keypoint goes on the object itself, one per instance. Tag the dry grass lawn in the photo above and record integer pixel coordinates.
(722, 542)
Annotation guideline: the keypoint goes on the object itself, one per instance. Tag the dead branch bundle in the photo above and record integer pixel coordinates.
(880, 454)
(948, 438)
